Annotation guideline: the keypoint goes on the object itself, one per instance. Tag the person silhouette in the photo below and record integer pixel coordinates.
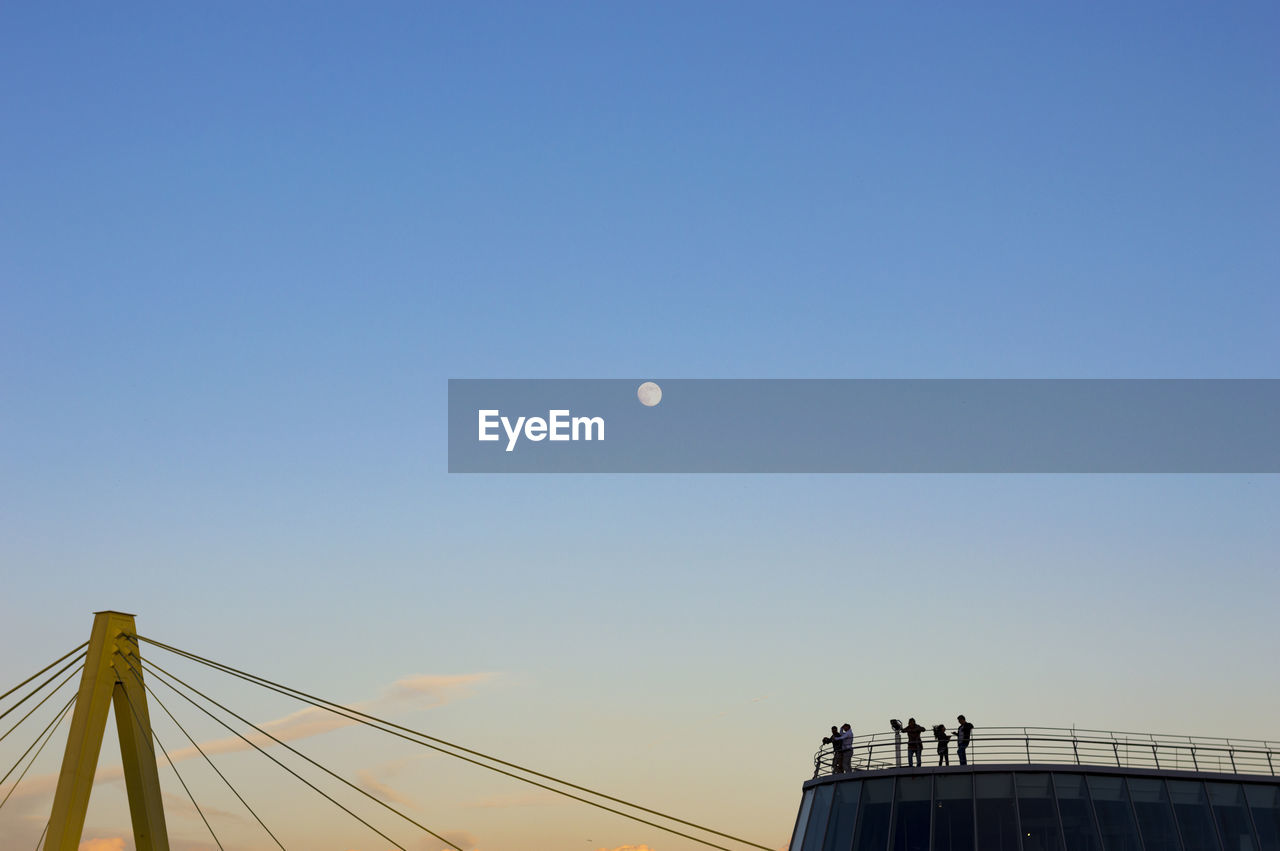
(964, 733)
(845, 738)
(915, 746)
(837, 747)
(944, 744)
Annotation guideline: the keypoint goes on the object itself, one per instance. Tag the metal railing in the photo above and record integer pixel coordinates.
(1068, 746)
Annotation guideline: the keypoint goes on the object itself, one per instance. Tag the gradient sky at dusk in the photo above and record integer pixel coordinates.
(243, 248)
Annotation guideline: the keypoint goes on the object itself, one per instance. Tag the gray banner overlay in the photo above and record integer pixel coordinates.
(865, 426)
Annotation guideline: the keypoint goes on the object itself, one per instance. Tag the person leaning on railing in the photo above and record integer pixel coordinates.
(832, 740)
(841, 742)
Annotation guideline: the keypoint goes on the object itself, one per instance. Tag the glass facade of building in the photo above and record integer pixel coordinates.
(1038, 808)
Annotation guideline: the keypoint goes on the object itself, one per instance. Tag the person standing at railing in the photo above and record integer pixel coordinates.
(963, 734)
(915, 746)
(837, 750)
(944, 744)
(844, 744)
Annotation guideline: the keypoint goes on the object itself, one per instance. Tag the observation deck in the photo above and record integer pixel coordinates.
(1046, 789)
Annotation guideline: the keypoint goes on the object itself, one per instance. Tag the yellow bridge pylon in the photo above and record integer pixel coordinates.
(112, 674)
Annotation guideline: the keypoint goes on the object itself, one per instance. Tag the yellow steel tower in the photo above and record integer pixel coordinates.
(112, 673)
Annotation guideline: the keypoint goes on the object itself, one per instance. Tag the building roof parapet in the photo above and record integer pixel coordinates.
(1066, 747)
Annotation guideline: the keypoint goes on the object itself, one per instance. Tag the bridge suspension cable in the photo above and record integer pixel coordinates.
(157, 672)
(153, 740)
(40, 841)
(39, 688)
(440, 745)
(73, 652)
(42, 702)
(42, 670)
(194, 744)
(46, 734)
(152, 666)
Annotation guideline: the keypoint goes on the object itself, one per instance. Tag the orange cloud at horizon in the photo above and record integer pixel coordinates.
(115, 843)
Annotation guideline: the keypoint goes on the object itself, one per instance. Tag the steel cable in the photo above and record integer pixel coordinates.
(400, 731)
(149, 729)
(38, 736)
(47, 733)
(233, 789)
(42, 702)
(42, 670)
(38, 688)
(298, 776)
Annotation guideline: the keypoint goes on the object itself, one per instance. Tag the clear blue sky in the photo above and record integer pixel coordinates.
(242, 249)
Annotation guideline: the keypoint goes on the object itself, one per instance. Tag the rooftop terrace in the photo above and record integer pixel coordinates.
(1069, 746)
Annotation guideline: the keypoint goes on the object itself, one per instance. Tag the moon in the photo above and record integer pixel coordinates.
(649, 394)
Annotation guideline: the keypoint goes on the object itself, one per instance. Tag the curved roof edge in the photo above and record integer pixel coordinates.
(1039, 768)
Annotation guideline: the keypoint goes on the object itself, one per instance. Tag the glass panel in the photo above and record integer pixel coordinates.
(1115, 815)
(1155, 815)
(911, 816)
(1234, 826)
(953, 813)
(1264, 802)
(997, 821)
(818, 818)
(1078, 828)
(802, 820)
(872, 833)
(844, 815)
(1038, 814)
(1191, 806)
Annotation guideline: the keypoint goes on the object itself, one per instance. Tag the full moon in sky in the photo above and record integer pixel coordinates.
(649, 394)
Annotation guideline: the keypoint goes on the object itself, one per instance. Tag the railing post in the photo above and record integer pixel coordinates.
(1075, 747)
(1269, 765)
(1027, 741)
(1155, 755)
(1116, 747)
(1231, 752)
(1194, 761)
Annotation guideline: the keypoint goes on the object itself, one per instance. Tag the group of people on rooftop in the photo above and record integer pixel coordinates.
(841, 741)
(915, 745)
